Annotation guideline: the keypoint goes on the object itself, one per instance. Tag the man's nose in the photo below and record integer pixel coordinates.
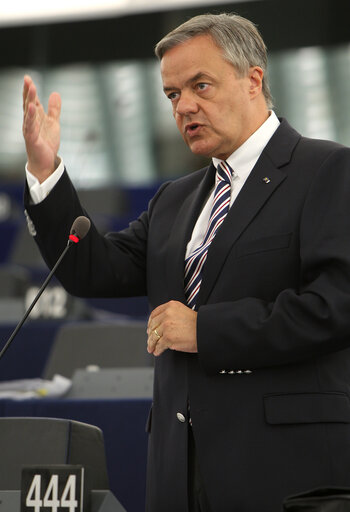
(187, 104)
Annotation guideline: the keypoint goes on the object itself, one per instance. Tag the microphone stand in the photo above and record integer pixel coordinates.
(71, 241)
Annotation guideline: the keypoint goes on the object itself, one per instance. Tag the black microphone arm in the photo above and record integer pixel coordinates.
(79, 229)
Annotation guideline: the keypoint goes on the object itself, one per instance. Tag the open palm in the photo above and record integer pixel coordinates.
(41, 130)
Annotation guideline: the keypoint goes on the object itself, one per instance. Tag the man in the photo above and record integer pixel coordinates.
(246, 265)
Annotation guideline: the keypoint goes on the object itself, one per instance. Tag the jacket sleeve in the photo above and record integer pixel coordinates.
(99, 266)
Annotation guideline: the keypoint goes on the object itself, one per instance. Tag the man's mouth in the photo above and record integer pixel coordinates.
(192, 129)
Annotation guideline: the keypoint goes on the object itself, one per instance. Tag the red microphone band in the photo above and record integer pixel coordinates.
(74, 238)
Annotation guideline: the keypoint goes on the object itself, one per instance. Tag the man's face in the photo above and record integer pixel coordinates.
(214, 109)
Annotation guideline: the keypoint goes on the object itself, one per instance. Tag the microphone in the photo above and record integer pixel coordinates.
(78, 231)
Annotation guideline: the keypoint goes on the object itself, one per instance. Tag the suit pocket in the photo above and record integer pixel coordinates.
(307, 408)
(270, 243)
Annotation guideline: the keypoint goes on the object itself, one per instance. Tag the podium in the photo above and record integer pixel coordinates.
(50, 442)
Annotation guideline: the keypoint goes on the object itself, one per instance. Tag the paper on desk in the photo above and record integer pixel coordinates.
(35, 388)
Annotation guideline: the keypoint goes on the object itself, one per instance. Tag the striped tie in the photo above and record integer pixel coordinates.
(195, 262)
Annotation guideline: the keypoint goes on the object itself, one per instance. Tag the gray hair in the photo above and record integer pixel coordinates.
(238, 37)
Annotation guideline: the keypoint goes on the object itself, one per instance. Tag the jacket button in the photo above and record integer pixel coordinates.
(180, 417)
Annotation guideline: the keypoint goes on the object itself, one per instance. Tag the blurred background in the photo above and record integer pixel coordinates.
(99, 56)
(119, 143)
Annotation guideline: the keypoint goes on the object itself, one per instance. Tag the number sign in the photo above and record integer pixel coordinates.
(52, 489)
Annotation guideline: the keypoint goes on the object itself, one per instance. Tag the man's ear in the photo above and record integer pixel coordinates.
(255, 75)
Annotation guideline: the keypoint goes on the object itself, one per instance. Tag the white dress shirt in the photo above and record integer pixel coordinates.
(242, 162)
(38, 191)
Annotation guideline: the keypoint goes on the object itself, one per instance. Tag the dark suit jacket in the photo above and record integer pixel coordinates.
(269, 389)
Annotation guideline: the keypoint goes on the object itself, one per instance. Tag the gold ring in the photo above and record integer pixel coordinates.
(157, 334)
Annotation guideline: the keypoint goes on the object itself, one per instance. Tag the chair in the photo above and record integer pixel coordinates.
(14, 281)
(105, 345)
(53, 443)
(112, 383)
(44, 441)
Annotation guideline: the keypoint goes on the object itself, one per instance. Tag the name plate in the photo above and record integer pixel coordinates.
(52, 488)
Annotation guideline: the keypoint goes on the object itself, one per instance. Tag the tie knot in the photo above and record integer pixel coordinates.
(225, 172)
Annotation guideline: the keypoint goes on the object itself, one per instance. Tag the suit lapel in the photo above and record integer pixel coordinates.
(263, 181)
(181, 233)
(255, 193)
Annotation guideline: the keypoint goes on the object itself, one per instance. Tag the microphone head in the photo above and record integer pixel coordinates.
(80, 228)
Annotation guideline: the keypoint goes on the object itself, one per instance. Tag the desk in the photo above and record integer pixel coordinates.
(123, 425)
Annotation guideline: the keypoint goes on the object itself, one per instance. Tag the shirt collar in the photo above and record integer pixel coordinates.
(245, 157)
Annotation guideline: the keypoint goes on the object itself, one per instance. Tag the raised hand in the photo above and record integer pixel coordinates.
(41, 131)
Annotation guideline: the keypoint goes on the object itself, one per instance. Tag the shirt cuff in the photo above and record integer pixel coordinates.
(38, 191)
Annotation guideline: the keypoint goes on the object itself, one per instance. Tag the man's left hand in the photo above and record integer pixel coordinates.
(172, 325)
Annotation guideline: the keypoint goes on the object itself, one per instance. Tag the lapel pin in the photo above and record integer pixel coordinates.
(266, 179)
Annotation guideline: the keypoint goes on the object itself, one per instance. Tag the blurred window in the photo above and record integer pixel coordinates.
(117, 125)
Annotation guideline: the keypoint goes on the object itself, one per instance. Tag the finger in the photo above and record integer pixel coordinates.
(158, 310)
(32, 95)
(150, 346)
(155, 317)
(54, 106)
(155, 335)
(155, 325)
(152, 341)
(33, 98)
(154, 321)
(27, 82)
(25, 89)
(29, 101)
(159, 349)
(156, 347)
(29, 122)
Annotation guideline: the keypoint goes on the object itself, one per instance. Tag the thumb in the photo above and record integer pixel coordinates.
(54, 106)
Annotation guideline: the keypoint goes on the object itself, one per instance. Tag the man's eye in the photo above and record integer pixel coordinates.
(173, 96)
(202, 86)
